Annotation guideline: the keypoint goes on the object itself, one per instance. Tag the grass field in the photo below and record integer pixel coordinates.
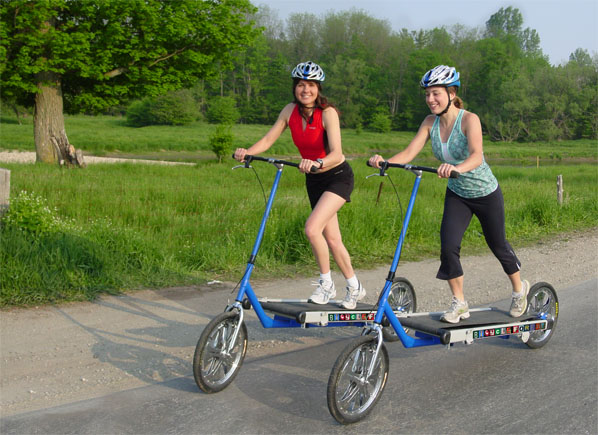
(107, 228)
(107, 135)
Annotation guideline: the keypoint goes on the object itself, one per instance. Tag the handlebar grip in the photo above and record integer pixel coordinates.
(375, 167)
(314, 169)
(454, 174)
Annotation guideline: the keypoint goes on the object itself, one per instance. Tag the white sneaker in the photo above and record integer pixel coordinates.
(459, 310)
(323, 293)
(353, 295)
(519, 302)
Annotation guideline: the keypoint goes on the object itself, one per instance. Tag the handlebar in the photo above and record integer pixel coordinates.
(384, 165)
(249, 158)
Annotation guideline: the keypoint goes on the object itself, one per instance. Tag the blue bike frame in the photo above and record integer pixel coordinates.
(384, 308)
(245, 289)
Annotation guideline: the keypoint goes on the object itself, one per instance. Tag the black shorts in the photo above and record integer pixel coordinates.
(337, 180)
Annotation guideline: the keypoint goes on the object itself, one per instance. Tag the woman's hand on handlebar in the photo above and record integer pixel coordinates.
(444, 170)
(240, 154)
(373, 161)
(306, 166)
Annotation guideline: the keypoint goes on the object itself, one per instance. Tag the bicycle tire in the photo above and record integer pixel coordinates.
(217, 361)
(351, 396)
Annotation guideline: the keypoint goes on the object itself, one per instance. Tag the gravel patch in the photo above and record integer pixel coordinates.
(29, 157)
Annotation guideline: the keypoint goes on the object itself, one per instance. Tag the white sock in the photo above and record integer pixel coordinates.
(353, 282)
(326, 277)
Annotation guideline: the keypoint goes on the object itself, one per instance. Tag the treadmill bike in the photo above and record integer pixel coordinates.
(222, 346)
(360, 372)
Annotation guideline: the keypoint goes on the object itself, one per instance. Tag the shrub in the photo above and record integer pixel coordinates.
(380, 123)
(138, 113)
(544, 131)
(221, 142)
(222, 110)
(30, 213)
(172, 108)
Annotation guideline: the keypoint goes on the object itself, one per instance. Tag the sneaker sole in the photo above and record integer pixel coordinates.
(461, 317)
(520, 314)
(316, 302)
(359, 297)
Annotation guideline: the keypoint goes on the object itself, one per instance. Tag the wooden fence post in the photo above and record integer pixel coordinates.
(4, 190)
(559, 189)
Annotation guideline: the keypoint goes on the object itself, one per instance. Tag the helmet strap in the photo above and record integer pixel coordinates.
(448, 105)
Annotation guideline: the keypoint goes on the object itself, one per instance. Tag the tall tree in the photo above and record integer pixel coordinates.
(73, 55)
(507, 23)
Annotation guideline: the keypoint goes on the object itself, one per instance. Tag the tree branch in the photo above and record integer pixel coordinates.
(174, 53)
(118, 71)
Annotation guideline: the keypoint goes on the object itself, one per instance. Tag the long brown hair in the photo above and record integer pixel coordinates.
(321, 101)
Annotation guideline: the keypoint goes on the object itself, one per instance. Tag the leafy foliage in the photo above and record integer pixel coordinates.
(221, 142)
(31, 214)
(222, 110)
(109, 51)
(172, 108)
(505, 78)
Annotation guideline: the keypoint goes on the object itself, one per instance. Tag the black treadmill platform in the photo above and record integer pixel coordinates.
(493, 316)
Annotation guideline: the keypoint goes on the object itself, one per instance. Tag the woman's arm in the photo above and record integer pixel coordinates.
(273, 134)
(414, 147)
(331, 124)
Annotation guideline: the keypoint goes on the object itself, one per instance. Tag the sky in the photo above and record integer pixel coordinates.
(563, 25)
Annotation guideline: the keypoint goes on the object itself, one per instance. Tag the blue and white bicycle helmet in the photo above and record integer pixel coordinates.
(308, 71)
(440, 75)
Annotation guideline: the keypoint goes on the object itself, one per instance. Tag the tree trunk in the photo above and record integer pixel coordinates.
(51, 142)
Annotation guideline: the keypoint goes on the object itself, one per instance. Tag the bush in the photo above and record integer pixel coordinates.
(380, 123)
(544, 131)
(222, 110)
(221, 141)
(172, 108)
(138, 113)
(29, 213)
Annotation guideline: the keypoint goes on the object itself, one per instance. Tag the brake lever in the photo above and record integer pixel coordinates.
(376, 175)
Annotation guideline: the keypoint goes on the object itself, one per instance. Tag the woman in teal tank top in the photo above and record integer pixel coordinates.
(456, 137)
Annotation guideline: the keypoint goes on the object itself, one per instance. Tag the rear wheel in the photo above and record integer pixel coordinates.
(401, 298)
(543, 302)
(218, 354)
(352, 389)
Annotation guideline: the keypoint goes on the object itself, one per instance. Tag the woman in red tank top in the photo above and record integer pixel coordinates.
(315, 129)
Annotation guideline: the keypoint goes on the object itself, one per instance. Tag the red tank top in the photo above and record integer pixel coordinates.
(309, 142)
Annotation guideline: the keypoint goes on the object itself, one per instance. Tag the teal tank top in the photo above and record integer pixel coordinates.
(473, 184)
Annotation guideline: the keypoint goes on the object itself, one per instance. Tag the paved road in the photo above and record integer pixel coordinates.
(496, 386)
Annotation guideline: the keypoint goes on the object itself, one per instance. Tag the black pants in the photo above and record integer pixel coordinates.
(457, 215)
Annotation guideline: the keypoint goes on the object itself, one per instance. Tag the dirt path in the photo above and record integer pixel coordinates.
(60, 354)
(29, 157)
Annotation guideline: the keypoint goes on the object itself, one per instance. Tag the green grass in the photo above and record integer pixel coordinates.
(107, 135)
(128, 226)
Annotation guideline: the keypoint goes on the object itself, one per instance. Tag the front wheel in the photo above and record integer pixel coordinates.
(354, 389)
(401, 298)
(543, 302)
(219, 354)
